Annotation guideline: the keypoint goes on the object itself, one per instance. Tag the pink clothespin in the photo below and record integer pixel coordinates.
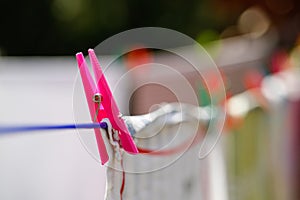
(102, 105)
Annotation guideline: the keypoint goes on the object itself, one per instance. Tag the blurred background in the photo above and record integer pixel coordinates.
(60, 27)
(255, 44)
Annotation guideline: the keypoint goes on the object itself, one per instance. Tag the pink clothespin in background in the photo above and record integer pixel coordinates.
(102, 105)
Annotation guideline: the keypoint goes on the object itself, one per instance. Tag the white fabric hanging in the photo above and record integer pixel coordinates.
(167, 174)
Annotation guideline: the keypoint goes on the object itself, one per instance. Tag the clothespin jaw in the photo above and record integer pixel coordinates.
(102, 105)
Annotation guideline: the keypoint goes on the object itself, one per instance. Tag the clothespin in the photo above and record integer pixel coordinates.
(102, 105)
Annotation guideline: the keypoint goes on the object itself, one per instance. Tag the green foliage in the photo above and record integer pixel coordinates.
(60, 27)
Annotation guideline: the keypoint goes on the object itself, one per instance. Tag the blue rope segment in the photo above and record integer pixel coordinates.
(4, 130)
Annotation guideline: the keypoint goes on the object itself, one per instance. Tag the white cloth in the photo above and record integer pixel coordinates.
(180, 175)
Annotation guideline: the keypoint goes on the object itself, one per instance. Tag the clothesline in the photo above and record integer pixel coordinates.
(4, 130)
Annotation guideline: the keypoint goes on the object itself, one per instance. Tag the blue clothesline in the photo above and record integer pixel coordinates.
(28, 128)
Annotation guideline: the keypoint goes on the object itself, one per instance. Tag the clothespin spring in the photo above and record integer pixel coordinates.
(97, 98)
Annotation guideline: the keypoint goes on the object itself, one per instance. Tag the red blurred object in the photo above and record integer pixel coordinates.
(138, 57)
(279, 61)
(253, 79)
